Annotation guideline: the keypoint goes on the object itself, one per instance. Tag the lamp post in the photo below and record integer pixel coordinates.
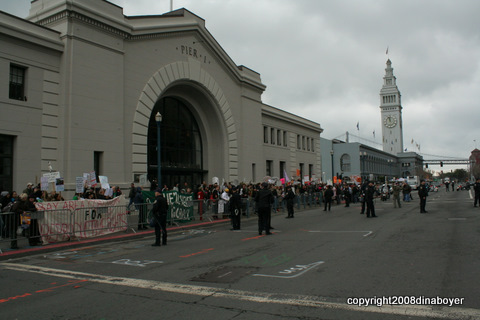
(331, 154)
(158, 119)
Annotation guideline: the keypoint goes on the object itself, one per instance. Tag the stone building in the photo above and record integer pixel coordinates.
(86, 82)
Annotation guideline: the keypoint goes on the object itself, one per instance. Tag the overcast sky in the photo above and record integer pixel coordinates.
(325, 60)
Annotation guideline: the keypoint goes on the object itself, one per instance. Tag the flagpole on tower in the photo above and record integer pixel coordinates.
(171, 5)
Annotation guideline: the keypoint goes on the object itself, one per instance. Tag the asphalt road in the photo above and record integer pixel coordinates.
(319, 265)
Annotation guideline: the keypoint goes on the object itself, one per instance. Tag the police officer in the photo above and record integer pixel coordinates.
(160, 210)
(476, 188)
(369, 195)
(423, 194)
(264, 200)
(289, 197)
(235, 208)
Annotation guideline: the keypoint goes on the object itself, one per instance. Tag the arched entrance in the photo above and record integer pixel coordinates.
(181, 144)
(195, 88)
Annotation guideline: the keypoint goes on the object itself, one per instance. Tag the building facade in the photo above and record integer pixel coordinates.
(86, 82)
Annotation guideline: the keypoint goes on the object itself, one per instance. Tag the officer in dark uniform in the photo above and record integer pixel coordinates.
(328, 196)
(289, 197)
(235, 208)
(264, 200)
(369, 195)
(160, 211)
(423, 194)
(476, 188)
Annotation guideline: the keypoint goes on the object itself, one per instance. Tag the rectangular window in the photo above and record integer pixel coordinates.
(97, 163)
(272, 136)
(265, 134)
(310, 171)
(284, 138)
(6, 162)
(303, 142)
(17, 83)
(301, 170)
(299, 145)
(308, 144)
(269, 168)
(253, 172)
(282, 169)
(313, 145)
(279, 137)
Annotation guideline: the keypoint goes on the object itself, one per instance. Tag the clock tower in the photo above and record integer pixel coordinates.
(391, 110)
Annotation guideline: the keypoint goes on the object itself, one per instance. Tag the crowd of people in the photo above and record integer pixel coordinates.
(224, 200)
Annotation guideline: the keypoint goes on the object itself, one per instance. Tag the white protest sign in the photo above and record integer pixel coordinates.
(79, 185)
(52, 176)
(104, 182)
(44, 183)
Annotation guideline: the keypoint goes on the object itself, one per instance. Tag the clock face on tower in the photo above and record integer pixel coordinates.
(390, 121)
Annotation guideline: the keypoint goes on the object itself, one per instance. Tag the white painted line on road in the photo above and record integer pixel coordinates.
(434, 312)
(455, 219)
(367, 233)
(293, 272)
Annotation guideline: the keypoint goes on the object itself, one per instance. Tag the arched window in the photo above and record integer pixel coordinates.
(181, 144)
(345, 163)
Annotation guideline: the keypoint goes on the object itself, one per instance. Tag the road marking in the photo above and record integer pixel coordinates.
(293, 272)
(367, 233)
(51, 289)
(457, 219)
(196, 253)
(258, 297)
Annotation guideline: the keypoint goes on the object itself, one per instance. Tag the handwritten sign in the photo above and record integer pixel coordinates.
(52, 176)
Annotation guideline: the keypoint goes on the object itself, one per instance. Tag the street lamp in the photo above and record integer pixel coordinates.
(331, 154)
(158, 119)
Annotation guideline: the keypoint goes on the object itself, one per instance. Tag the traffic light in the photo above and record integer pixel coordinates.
(426, 165)
(441, 163)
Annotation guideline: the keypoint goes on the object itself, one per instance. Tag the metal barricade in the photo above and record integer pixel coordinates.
(98, 221)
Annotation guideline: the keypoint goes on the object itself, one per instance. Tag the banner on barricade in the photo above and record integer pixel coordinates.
(180, 205)
(82, 218)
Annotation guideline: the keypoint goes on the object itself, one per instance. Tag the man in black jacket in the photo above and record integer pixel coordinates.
(264, 199)
(476, 188)
(160, 210)
(235, 208)
(369, 195)
(423, 194)
(289, 197)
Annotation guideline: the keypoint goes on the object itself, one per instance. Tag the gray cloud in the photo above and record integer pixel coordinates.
(325, 60)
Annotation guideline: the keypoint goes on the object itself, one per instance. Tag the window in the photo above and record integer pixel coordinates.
(345, 163)
(97, 163)
(310, 171)
(253, 172)
(282, 169)
(308, 144)
(303, 143)
(272, 136)
(313, 145)
(17, 83)
(299, 146)
(284, 138)
(265, 134)
(6, 162)
(269, 168)
(279, 137)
